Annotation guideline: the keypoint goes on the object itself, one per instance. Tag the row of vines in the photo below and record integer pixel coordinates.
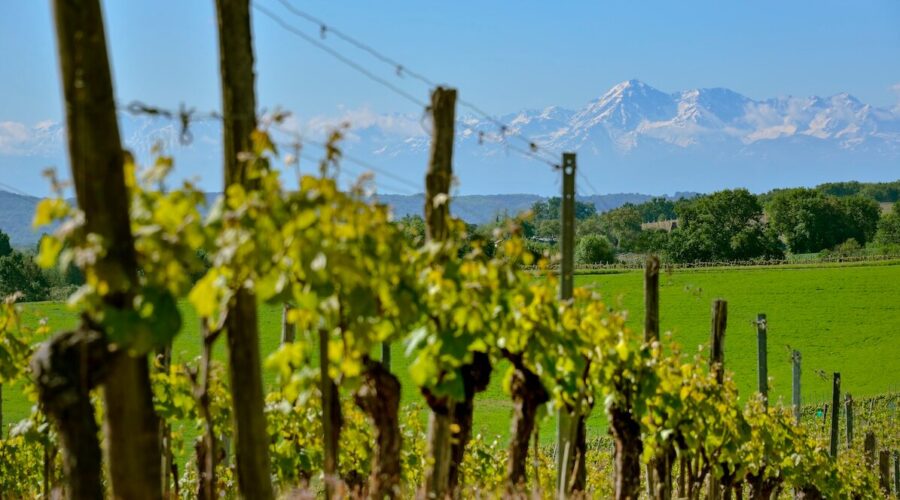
(115, 416)
(354, 281)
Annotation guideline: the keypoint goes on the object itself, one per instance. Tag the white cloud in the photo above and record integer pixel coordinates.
(895, 88)
(19, 139)
(358, 120)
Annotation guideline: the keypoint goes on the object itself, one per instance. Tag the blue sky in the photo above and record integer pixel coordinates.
(504, 56)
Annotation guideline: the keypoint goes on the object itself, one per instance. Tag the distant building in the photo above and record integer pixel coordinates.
(663, 225)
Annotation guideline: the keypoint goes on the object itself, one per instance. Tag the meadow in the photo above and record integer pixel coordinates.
(841, 318)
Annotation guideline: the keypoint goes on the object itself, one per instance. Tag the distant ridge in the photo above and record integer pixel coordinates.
(16, 211)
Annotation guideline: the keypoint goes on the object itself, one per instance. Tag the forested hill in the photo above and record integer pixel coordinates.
(16, 211)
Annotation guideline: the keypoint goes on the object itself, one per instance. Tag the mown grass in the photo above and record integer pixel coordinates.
(842, 318)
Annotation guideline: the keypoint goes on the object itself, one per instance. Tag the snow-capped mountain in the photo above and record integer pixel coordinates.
(633, 138)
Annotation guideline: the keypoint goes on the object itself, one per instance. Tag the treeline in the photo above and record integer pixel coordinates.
(725, 225)
(19, 273)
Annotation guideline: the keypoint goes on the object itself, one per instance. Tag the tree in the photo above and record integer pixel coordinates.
(726, 225)
(550, 209)
(656, 209)
(810, 221)
(594, 249)
(859, 218)
(19, 273)
(621, 226)
(5, 248)
(889, 227)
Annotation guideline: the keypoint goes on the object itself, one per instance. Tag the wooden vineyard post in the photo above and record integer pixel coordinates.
(795, 362)
(659, 485)
(848, 408)
(651, 299)
(65, 368)
(717, 339)
(386, 355)
(835, 412)
(762, 357)
(717, 364)
(566, 423)
(288, 329)
(331, 417)
(897, 472)
(251, 439)
(884, 471)
(869, 450)
(437, 215)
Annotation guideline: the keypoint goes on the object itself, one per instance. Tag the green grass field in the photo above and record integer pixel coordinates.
(842, 318)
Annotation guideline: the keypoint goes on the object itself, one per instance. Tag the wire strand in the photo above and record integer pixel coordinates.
(337, 55)
(399, 69)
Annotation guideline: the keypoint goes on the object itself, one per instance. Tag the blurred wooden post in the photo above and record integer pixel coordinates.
(848, 405)
(835, 412)
(566, 423)
(869, 450)
(762, 357)
(717, 366)
(331, 417)
(651, 334)
(386, 355)
(896, 473)
(717, 339)
(884, 471)
(795, 362)
(288, 329)
(651, 299)
(437, 229)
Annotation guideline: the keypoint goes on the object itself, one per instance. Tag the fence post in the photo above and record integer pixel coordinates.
(717, 366)
(566, 423)
(848, 405)
(762, 357)
(795, 361)
(835, 412)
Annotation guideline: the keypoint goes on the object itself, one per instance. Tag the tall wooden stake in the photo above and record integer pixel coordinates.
(651, 334)
(717, 364)
(651, 299)
(97, 160)
(239, 110)
(884, 472)
(795, 363)
(566, 423)
(717, 339)
(288, 329)
(848, 405)
(897, 473)
(762, 357)
(437, 215)
(331, 418)
(835, 412)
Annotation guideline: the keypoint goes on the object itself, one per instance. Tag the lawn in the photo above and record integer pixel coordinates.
(844, 319)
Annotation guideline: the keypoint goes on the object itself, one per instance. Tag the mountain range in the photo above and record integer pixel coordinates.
(633, 138)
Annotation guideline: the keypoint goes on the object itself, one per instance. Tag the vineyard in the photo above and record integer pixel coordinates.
(116, 412)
